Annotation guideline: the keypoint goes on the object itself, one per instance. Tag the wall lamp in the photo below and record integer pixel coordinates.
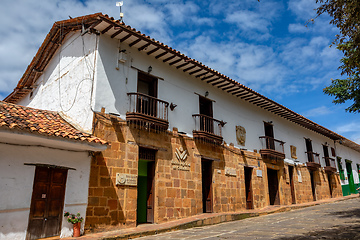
(149, 69)
(172, 106)
(206, 93)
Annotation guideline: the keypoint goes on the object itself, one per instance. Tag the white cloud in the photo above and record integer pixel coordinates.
(319, 111)
(351, 129)
(297, 28)
(303, 9)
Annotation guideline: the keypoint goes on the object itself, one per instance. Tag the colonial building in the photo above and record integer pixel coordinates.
(44, 170)
(185, 139)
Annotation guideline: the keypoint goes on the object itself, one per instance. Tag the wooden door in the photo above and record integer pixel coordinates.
(292, 186)
(313, 186)
(150, 192)
(248, 188)
(273, 185)
(329, 182)
(350, 177)
(47, 202)
(206, 171)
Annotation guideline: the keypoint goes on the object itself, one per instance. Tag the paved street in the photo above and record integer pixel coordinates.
(339, 220)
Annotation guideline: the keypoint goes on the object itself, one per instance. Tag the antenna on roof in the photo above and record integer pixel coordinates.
(119, 4)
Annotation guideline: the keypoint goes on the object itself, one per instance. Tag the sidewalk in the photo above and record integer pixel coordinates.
(197, 221)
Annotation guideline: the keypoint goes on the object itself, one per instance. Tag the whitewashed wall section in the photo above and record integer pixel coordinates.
(66, 84)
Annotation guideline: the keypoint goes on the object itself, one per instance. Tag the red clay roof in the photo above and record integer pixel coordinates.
(41, 122)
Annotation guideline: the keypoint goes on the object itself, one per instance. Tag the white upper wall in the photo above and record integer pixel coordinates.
(85, 75)
(115, 80)
(67, 81)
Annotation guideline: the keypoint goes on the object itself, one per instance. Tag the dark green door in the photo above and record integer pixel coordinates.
(350, 177)
(145, 200)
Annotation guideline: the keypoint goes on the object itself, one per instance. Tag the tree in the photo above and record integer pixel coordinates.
(346, 17)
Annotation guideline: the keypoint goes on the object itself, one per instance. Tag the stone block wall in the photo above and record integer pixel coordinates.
(178, 182)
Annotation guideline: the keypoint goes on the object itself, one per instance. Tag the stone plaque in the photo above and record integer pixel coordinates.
(230, 172)
(126, 179)
(240, 135)
(299, 175)
(293, 151)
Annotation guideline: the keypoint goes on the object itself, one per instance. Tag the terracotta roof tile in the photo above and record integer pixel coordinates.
(43, 122)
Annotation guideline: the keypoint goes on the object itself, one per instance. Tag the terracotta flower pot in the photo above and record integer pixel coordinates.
(76, 229)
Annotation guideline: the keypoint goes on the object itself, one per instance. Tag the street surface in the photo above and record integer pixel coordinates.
(339, 220)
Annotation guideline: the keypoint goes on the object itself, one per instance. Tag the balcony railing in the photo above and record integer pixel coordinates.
(313, 160)
(272, 148)
(148, 110)
(208, 128)
(330, 164)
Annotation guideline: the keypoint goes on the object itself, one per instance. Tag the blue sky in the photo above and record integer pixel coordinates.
(263, 45)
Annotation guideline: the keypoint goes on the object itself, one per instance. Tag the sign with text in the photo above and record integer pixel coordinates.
(126, 179)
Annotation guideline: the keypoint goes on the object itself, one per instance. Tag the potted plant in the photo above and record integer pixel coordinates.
(76, 220)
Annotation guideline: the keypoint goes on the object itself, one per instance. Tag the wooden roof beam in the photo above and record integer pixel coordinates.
(223, 85)
(214, 84)
(176, 61)
(152, 51)
(169, 58)
(134, 42)
(204, 78)
(198, 70)
(144, 46)
(161, 54)
(116, 33)
(235, 89)
(106, 29)
(213, 80)
(183, 65)
(126, 37)
(202, 74)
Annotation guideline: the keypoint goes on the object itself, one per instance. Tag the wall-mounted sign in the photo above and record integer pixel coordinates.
(126, 179)
(259, 173)
(181, 163)
(293, 151)
(299, 175)
(240, 135)
(181, 154)
(230, 171)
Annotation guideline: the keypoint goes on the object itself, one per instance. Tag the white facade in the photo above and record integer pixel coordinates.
(91, 77)
(19, 154)
(66, 84)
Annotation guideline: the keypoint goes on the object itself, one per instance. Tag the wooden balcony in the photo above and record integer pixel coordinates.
(313, 160)
(330, 165)
(272, 149)
(208, 129)
(148, 111)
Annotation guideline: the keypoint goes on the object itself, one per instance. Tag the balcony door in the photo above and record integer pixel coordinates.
(205, 106)
(146, 85)
(309, 150)
(269, 133)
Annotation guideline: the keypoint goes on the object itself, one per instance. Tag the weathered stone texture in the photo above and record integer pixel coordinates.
(178, 192)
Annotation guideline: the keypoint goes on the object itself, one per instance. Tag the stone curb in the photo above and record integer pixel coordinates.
(199, 222)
